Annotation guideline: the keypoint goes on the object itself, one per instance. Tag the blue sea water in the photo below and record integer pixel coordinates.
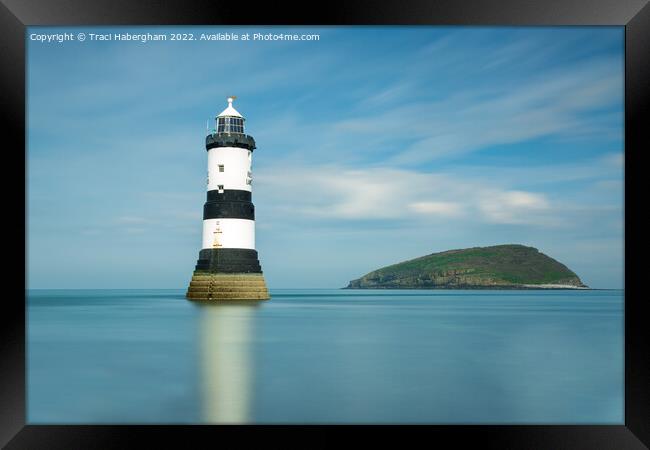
(326, 356)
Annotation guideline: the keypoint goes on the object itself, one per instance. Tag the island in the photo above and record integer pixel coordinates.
(509, 266)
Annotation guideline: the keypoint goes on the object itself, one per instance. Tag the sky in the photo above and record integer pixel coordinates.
(375, 145)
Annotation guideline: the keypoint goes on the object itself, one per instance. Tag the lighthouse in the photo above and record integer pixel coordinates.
(228, 267)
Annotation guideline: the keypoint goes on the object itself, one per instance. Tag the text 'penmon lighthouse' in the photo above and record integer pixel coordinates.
(228, 267)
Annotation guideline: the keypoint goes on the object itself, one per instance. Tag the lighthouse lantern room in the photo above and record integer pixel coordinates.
(228, 267)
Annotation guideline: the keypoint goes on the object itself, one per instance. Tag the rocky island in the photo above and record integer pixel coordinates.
(509, 266)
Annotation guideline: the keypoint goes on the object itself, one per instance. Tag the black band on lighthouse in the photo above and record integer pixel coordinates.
(228, 210)
(228, 260)
(229, 140)
(229, 204)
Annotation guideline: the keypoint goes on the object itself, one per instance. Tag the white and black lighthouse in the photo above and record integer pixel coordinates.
(228, 266)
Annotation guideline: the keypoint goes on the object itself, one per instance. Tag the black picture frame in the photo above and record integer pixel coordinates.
(16, 15)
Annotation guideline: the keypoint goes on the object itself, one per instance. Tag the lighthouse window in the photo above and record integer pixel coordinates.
(230, 125)
(220, 167)
(220, 188)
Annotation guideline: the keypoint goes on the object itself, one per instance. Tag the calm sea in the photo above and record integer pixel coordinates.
(326, 356)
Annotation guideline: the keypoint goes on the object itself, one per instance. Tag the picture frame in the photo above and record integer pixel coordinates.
(634, 15)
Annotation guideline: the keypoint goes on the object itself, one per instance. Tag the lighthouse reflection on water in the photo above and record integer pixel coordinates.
(225, 361)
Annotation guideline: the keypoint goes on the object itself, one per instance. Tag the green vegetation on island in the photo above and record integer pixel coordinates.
(501, 266)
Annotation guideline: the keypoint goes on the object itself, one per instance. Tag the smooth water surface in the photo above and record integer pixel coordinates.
(326, 356)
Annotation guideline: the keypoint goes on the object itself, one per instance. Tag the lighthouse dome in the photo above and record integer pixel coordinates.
(230, 111)
(229, 120)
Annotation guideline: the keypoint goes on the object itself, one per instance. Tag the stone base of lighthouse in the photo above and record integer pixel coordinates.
(221, 286)
(227, 274)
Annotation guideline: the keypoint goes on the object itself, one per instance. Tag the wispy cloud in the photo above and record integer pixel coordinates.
(545, 105)
(340, 193)
(515, 207)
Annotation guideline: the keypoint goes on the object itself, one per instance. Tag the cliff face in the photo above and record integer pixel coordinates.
(500, 266)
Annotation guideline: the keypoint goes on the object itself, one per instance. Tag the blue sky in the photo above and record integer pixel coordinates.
(375, 145)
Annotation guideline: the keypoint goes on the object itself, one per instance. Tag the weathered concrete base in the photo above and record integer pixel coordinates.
(227, 286)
